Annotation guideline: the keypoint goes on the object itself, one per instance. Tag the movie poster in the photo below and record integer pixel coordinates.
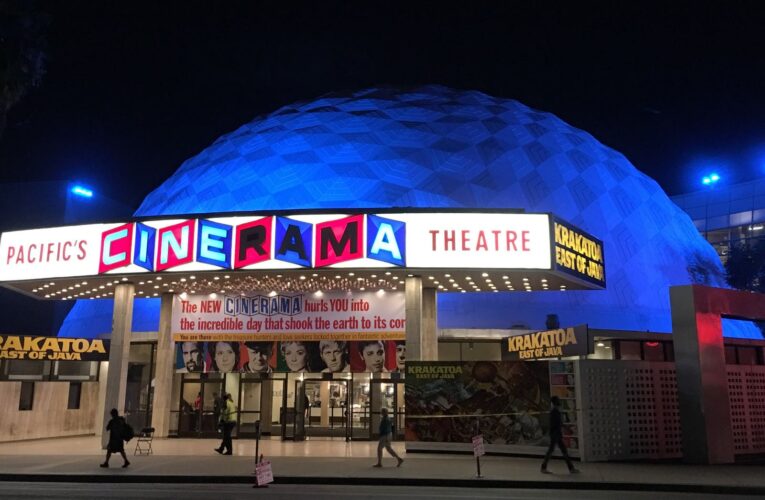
(225, 357)
(323, 356)
(450, 402)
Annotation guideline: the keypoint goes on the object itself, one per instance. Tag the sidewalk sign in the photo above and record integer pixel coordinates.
(478, 452)
(263, 473)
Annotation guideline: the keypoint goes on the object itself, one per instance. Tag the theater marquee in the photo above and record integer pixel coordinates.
(420, 240)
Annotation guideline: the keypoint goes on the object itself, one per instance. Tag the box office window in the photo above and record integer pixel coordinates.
(27, 396)
(75, 370)
(75, 391)
(24, 369)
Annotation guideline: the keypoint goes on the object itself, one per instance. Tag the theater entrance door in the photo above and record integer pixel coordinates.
(321, 408)
(389, 394)
(199, 412)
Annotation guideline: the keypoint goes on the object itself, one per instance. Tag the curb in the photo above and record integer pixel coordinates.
(374, 481)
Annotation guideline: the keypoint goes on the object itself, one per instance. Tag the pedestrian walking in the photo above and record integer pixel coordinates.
(386, 433)
(116, 428)
(556, 437)
(227, 423)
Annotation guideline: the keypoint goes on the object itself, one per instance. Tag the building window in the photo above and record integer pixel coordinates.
(653, 351)
(746, 355)
(629, 350)
(75, 391)
(26, 400)
(669, 351)
(75, 370)
(26, 369)
(730, 355)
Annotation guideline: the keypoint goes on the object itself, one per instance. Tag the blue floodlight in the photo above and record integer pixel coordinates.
(710, 179)
(82, 191)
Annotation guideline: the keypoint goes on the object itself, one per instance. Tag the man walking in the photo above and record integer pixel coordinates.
(556, 437)
(227, 423)
(386, 433)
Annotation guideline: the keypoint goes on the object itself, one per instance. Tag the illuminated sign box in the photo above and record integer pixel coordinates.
(53, 348)
(562, 342)
(420, 240)
(578, 254)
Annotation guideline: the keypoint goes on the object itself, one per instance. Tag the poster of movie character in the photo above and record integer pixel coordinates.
(225, 357)
(377, 356)
(321, 356)
(510, 400)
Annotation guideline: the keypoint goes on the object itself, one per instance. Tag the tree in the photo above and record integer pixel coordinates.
(745, 267)
(22, 52)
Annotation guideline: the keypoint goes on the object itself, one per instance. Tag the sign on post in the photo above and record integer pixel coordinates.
(263, 473)
(478, 450)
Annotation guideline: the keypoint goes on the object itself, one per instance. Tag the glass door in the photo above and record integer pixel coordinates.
(390, 395)
(359, 407)
(200, 407)
(325, 404)
(250, 406)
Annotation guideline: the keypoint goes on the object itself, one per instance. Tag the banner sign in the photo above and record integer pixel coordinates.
(53, 348)
(509, 400)
(271, 316)
(573, 341)
(578, 254)
(290, 332)
(435, 240)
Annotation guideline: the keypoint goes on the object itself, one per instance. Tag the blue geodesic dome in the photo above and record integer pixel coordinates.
(439, 147)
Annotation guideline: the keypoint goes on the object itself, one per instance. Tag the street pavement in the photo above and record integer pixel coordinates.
(120, 491)
(337, 462)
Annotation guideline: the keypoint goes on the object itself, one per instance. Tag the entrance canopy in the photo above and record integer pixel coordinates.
(453, 251)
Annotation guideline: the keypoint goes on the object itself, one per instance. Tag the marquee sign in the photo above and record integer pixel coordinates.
(578, 254)
(421, 240)
(53, 348)
(573, 341)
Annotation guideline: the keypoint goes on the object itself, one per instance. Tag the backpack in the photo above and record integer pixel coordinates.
(127, 431)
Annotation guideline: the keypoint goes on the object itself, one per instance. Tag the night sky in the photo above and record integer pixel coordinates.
(133, 89)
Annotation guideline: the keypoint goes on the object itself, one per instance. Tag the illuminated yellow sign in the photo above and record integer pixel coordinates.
(549, 344)
(579, 254)
(53, 348)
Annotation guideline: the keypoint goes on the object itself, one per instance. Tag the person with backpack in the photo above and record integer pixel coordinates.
(119, 432)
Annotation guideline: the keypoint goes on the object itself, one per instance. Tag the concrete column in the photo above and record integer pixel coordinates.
(421, 340)
(116, 378)
(164, 372)
(702, 380)
(103, 374)
(325, 409)
(266, 405)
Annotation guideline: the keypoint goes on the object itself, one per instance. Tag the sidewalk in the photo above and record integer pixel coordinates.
(338, 462)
